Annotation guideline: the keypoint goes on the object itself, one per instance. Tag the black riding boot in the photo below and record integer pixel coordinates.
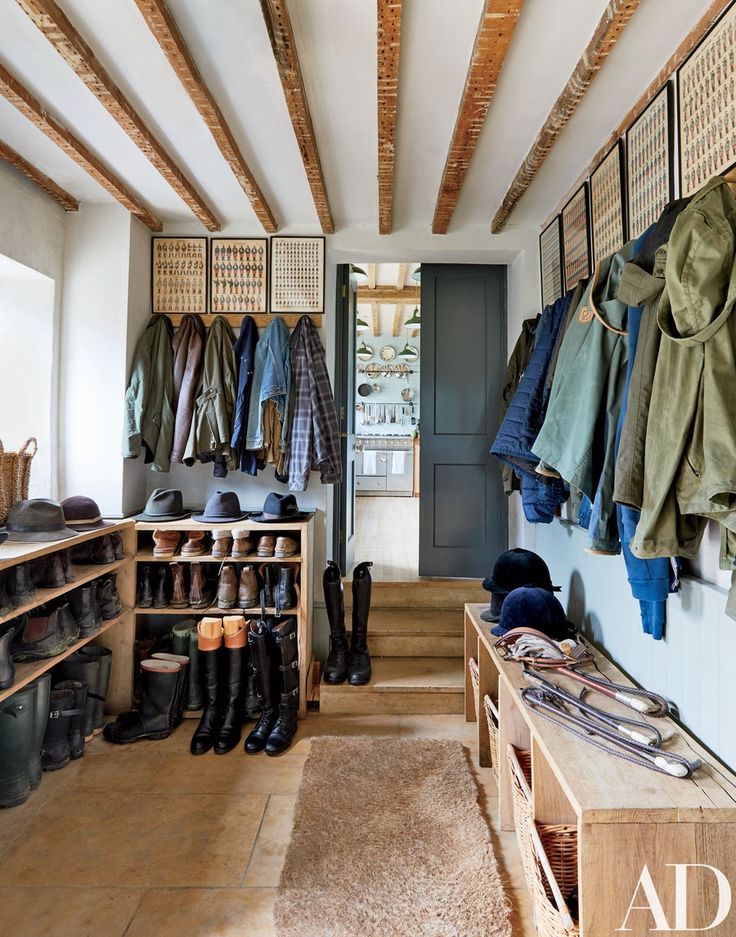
(336, 665)
(285, 636)
(359, 668)
(263, 661)
(234, 637)
(209, 641)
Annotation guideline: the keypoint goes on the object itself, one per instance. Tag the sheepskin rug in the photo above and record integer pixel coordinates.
(389, 841)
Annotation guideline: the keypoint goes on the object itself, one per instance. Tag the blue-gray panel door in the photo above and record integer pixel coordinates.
(463, 514)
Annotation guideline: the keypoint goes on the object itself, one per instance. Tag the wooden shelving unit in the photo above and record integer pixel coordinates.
(117, 634)
(626, 816)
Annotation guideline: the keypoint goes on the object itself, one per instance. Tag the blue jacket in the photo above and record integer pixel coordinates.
(271, 379)
(245, 352)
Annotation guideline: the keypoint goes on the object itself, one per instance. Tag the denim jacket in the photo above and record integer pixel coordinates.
(271, 379)
(245, 352)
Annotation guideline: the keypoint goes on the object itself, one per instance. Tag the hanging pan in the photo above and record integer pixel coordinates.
(364, 390)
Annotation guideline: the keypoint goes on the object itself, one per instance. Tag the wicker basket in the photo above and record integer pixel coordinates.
(15, 474)
(549, 856)
(493, 727)
(475, 680)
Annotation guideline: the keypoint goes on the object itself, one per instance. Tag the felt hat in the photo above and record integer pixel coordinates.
(513, 569)
(82, 513)
(221, 508)
(164, 504)
(278, 507)
(37, 521)
(534, 607)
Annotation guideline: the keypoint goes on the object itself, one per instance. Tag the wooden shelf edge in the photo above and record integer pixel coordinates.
(213, 610)
(48, 595)
(187, 523)
(147, 557)
(27, 672)
(29, 551)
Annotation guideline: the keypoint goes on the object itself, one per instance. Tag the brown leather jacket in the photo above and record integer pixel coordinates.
(188, 345)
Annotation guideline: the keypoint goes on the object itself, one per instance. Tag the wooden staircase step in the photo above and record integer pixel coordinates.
(394, 632)
(423, 593)
(401, 685)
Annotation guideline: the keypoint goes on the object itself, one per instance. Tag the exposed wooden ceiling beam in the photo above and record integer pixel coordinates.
(615, 18)
(388, 295)
(397, 319)
(63, 36)
(371, 271)
(388, 47)
(278, 24)
(21, 98)
(401, 276)
(497, 24)
(67, 201)
(376, 319)
(164, 29)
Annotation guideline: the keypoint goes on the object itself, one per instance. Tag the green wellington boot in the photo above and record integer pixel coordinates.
(78, 712)
(40, 718)
(184, 641)
(16, 733)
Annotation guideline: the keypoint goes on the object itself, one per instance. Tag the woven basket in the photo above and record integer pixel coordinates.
(549, 856)
(475, 680)
(15, 475)
(493, 727)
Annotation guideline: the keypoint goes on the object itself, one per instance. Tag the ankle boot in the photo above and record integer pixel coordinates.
(251, 703)
(266, 545)
(227, 588)
(359, 668)
(154, 720)
(287, 653)
(266, 672)
(145, 586)
(165, 543)
(16, 733)
(195, 544)
(20, 585)
(86, 611)
(286, 547)
(200, 594)
(78, 689)
(51, 574)
(7, 667)
(108, 597)
(142, 650)
(209, 642)
(92, 665)
(66, 562)
(162, 590)
(222, 541)
(179, 596)
(80, 554)
(336, 665)
(269, 578)
(182, 686)
(249, 588)
(234, 639)
(44, 635)
(243, 543)
(55, 748)
(40, 718)
(285, 592)
(6, 606)
(117, 545)
(102, 551)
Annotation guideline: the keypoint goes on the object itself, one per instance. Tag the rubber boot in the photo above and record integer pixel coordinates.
(209, 643)
(145, 586)
(232, 685)
(251, 703)
(180, 637)
(92, 665)
(154, 720)
(142, 650)
(265, 669)
(40, 718)
(182, 686)
(16, 733)
(78, 690)
(359, 667)
(55, 748)
(285, 590)
(86, 611)
(179, 594)
(108, 597)
(194, 702)
(104, 656)
(287, 652)
(7, 667)
(336, 665)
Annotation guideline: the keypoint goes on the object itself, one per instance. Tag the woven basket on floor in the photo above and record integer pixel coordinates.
(475, 680)
(554, 846)
(492, 719)
(15, 475)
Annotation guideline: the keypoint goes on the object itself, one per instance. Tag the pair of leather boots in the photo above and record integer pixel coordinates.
(162, 586)
(274, 655)
(100, 551)
(18, 584)
(164, 683)
(348, 662)
(276, 582)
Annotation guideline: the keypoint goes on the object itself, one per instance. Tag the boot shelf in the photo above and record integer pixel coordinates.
(200, 612)
(146, 556)
(82, 575)
(28, 671)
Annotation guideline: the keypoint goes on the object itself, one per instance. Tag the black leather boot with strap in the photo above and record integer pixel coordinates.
(336, 665)
(287, 651)
(265, 669)
(359, 668)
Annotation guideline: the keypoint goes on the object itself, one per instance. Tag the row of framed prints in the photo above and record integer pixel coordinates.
(633, 183)
(238, 275)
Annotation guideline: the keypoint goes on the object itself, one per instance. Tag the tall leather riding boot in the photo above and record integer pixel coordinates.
(265, 668)
(234, 638)
(40, 718)
(336, 665)
(179, 595)
(162, 589)
(16, 733)
(285, 588)
(227, 588)
(359, 667)
(285, 636)
(145, 586)
(7, 667)
(251, 703)
(209, 642)
(78, 689)
(182, 684)
(56, 748)
(154, 720)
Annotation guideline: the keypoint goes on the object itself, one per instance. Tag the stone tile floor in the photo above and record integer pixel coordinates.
(147, 841)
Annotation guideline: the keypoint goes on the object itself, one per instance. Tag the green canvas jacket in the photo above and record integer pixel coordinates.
(149, 413)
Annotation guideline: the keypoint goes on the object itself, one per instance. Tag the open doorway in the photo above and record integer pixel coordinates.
(387, 418)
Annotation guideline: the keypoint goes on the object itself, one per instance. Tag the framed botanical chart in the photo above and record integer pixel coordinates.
(238, 274)
(706, 95)
(650, 159)
(607, 204)
(179, 274)
(550, 258)
(298, 274)
(576, 238)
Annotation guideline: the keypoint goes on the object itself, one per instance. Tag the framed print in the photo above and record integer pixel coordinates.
(607, 205)
(179, 274)
(298, 274)
(576, 238)
(650, 177)
(550, 258)
(706, 96)
(238, 274)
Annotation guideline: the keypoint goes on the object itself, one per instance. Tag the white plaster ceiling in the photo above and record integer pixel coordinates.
(336, 41)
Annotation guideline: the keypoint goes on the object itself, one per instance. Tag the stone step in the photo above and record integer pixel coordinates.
(394, 632)
(399, 685)
(424, 593)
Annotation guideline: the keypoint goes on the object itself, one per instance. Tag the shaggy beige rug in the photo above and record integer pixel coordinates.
(389, 841)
